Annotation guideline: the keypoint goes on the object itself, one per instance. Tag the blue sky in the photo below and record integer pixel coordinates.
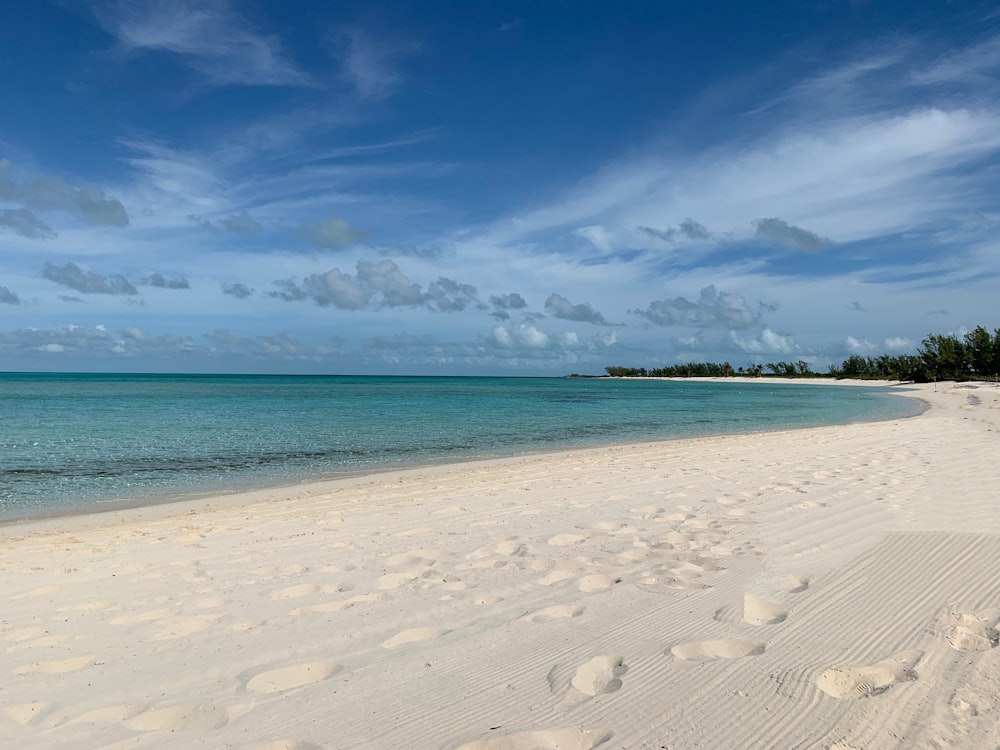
(493, 188)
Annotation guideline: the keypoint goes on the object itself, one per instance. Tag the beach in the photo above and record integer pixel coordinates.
(831, 587)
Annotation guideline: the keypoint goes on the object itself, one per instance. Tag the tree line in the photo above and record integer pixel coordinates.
(940, 357)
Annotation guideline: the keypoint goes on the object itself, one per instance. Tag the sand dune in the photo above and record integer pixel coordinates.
(822, 588)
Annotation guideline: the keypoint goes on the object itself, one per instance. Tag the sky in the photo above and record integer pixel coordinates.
(493, 188)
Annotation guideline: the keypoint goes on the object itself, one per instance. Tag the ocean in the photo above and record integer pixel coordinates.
(81, 442)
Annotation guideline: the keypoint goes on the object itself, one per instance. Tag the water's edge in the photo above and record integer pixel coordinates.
(917, 406)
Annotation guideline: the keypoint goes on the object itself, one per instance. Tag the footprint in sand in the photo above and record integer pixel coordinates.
(340, 604)
(555, 612)
(973, 632)
(758, 611)
(798, 583)
(25, 713)
(511, 548)
(147, 616)
(191, 717)
(295, 676)
(181, 627)
(62, 666)
(592, 583)
(414, 635)
(109, 714)
(396, 580)
(294, 592)
(730, 648)
(566, 738)
(862, 682)
(568, 539)
(599, 676)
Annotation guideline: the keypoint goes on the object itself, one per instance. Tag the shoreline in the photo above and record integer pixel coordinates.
(320, 483)
(826, 587)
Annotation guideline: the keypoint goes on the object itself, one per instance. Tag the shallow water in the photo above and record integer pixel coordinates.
(72, 442)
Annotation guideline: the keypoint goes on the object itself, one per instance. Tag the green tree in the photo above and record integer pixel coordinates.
(979, 351)
(944, 357)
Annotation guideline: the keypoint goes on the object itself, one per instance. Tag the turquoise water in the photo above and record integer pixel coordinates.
(77, 442)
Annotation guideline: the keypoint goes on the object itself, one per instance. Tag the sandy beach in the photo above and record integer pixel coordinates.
(832, 587)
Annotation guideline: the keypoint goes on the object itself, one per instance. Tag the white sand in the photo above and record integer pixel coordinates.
(824, 588)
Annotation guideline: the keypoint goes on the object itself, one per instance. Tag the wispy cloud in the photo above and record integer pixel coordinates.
(207, 35)
(370, 64)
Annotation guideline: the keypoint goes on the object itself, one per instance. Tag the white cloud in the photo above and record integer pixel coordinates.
(860, 346)
(208, 35)
(899, 343)
(713, 309)
(768, 342)
(370, 64)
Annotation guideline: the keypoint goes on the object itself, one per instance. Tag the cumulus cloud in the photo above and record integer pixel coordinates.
(504, 302)
(88, 282)
(768, 342)
(8, 297)
(447, 295)
(783, 233)
(387, 280)
(87, 203)
(332, 234)
(331, 289)
(381, 284)
(240, 291)
(162, 282)
(560, 307)
(527, 343)
(525, 335)
(860, 346)
(23, 222)
(713, 309)
(899, 343)
(689, 229)
(207, 35)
